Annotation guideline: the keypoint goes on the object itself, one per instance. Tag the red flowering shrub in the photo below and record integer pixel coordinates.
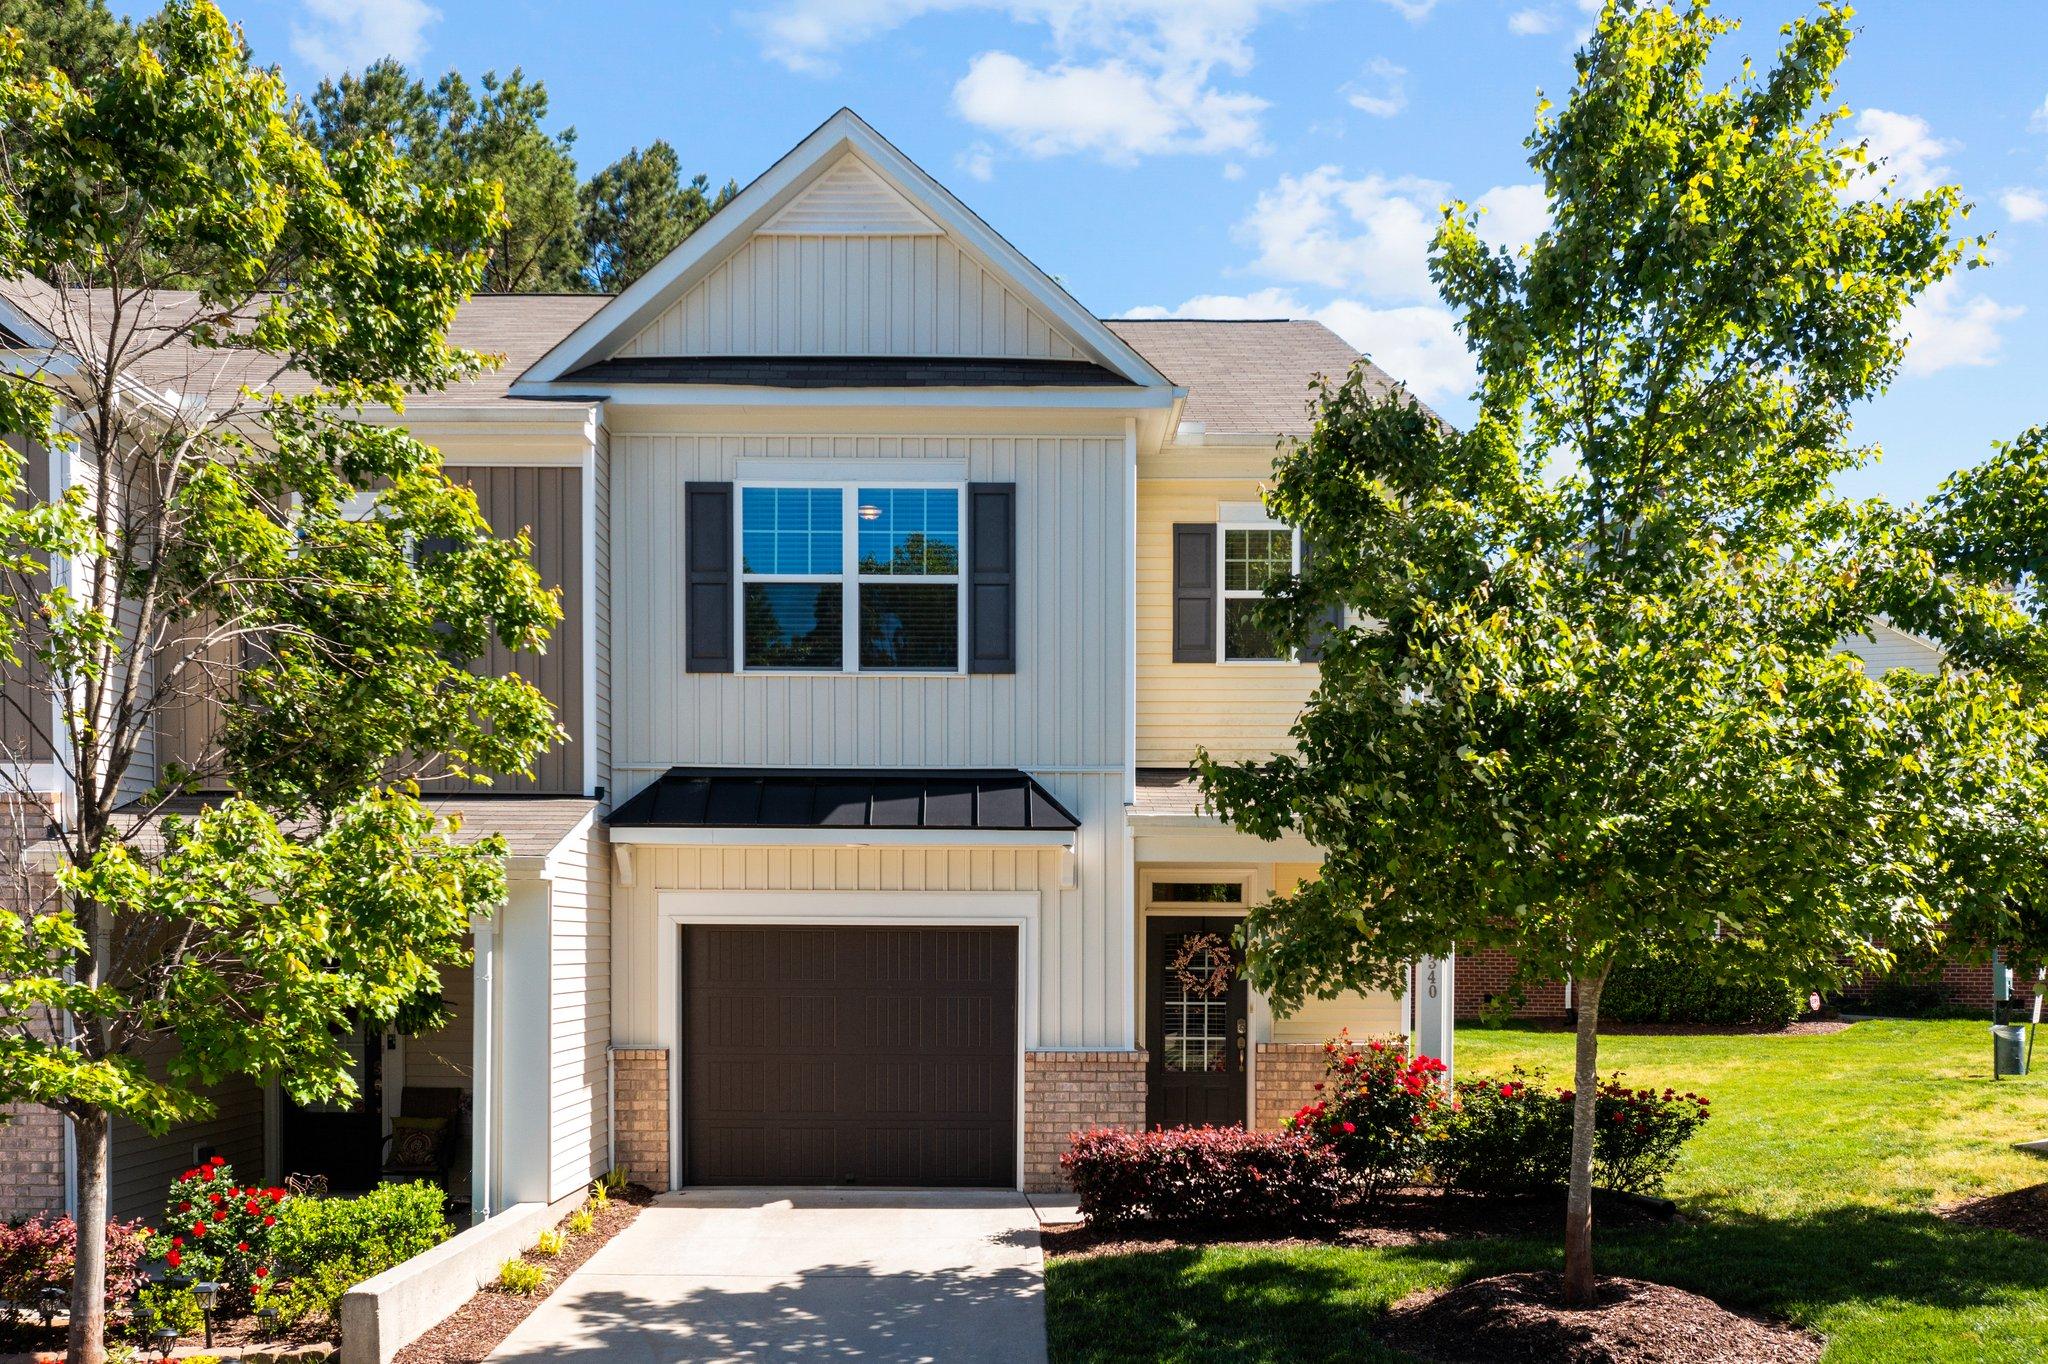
(1207, 1176)
(40, 1252)
(216, 1230)
(1378, 1109)
(1517, 1134)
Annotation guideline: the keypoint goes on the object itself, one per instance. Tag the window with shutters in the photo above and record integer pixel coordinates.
(1252, 558)
(851, 578)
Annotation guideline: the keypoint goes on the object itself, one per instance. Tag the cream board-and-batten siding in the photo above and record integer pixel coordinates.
(580, 1011)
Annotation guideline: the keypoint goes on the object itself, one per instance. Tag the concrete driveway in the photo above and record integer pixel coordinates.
(817, 1274)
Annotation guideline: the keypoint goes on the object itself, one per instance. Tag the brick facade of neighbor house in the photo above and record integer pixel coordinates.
(31, 1160)
(1286, 1078)
(1966, 984)
(1071, 1091)
(640, 1114)
(1482, 975)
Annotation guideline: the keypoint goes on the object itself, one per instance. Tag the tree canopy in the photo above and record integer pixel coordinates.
(637, 210)
(1591, 703)
(243, 543)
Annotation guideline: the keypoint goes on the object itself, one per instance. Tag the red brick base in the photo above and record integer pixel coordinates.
(1287, 1076)
(1071, 1091)
(1482, 976)
(31, 1161)
(640, 1112)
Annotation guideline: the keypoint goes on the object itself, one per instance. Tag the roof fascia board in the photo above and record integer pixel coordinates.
(723, 395)
(770, 192)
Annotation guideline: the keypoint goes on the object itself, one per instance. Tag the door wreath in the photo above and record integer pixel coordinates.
(1199, 983)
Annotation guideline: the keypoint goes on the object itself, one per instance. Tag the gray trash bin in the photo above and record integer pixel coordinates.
(2008, 1049)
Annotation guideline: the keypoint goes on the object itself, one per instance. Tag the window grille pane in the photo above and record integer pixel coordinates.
(1198, 892)
(793, 625)
(909, 531)
(910, 626)
(1254, 558)
(791, 531)
(1244, 637)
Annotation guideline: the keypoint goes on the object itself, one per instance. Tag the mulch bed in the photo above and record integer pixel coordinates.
(1519, 1319)
(480, 1325)
(2024, 1211)
(1404, 1217)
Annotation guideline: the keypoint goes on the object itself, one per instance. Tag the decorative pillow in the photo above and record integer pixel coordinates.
(416, 1143)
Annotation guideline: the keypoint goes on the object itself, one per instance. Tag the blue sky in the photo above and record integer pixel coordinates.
(1259, 157)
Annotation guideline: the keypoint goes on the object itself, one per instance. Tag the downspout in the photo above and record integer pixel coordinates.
(611, 1108)
(484, 1087)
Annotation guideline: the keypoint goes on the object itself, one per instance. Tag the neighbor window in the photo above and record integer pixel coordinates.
(805, 549)
(1253, 556)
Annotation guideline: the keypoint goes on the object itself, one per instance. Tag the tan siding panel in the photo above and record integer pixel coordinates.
(144, 1166)
(26, 712)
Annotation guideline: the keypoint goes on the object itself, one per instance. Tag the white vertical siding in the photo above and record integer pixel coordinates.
(1062, 710)
(580, 1013)
(791, 294)
(601, 567)
(1082, 970)
(1887, 647)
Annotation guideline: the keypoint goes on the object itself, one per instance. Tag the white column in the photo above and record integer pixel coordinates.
(483, 1088)
(1434, 1004)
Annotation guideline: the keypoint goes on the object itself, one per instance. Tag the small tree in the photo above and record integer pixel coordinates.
(214, 548)
(1593, 705)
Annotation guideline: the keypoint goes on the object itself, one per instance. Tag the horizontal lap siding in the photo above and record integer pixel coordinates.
(447, 1059)
(144, 1166)
(580, 1015)
(852, 295)
(1377, 1014)
(22, 738)
(1234, 710)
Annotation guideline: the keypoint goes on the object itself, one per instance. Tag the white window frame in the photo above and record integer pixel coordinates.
(849, 577)
(1226, 595)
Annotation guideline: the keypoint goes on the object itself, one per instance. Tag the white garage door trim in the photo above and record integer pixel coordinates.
(845, 909)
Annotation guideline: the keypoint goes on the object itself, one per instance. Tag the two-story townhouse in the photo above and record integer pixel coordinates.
(900, 591)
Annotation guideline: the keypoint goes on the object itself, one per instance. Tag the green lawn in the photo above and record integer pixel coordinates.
(1810, 1196)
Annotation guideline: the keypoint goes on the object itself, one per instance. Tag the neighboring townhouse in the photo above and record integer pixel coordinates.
(899, 592)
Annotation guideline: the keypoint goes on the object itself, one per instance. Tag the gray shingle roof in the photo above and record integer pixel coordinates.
(532, 827)
(1245, 377)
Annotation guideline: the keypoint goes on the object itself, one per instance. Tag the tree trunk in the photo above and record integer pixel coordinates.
(87, 1341)
(1579, 1283)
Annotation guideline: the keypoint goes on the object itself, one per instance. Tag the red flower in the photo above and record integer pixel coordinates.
(277, 1195)
(252, 1207)
(199, 1229)
(1415, 1118)
(1507, 1091)
(242, 1246)
(1379, 1046)
(186, 1206)
(220, 1214)
(177, 1241)
(214, 1199)
(172, 1258)
(218, 1161)
(1349, 1128)
(262, 1273)
(269, 1220)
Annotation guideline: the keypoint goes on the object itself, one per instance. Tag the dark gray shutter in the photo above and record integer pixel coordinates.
(1194, 593)
(708, 568)
(1331, 618)
(991, 577)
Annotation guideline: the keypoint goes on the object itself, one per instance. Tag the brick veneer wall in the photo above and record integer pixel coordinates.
(31, 1161)
(640, 1111)
(1070, 1091)
(1482, 975)
(1287, 1076)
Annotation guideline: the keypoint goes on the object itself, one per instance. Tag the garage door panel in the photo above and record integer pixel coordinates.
(849, 1055)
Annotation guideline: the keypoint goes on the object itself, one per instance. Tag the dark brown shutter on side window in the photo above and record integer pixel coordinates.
(708, 565)
(1194, 593)
(991, 577)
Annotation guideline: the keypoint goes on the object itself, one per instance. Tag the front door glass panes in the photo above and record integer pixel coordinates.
(1196, 1003)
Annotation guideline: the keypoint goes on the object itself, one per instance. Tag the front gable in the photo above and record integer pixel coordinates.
(844, 248)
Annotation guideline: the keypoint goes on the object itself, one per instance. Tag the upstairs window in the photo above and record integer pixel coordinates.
(1253, 557)
(895, 551)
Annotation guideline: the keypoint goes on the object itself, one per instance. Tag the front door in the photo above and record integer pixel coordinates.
(1197, 1025)
(342, 1142)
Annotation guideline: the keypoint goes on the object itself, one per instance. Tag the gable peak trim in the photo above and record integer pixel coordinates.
(850, 199)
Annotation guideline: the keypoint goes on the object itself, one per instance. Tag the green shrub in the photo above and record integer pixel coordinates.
(1704, 987)
(580, 1222)
(1516, 1133)
(549, 1243)
(522, 1277)
(157, 1306)
(326, 1246)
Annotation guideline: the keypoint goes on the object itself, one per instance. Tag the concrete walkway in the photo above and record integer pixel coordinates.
(822, 1274)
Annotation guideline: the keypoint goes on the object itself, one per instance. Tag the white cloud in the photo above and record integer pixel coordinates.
(2024, 205)
(1371, 233)
(1125, 77)
(978, 161)
(1908, 153)
(1386, 95)
(1414, 11)
(1418, 345)
(1527, 23)
(343, 35)
(1111, 109)
(2039, 121)
(1948, 329)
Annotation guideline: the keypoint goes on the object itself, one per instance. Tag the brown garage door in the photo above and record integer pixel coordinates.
(878, 1056)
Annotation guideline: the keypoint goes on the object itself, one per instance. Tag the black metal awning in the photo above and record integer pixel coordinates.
(1002, 800)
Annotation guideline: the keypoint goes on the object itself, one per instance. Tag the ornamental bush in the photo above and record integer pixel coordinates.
(326, 1246)
(217, 1231)
(1697, 987)
(1204, 1176)
(39, 1252)
(1516, 1134)
(1377, 1108)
